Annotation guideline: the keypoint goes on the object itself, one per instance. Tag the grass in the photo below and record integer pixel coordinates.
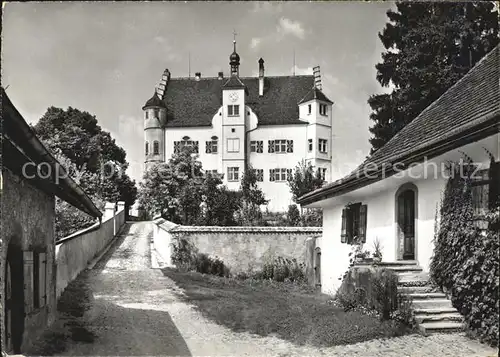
(289, 311)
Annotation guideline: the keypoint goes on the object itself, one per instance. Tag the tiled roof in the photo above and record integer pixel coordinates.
(234, 82)
(193, 102)
(469, 103)
(154, 101)
(315, 93)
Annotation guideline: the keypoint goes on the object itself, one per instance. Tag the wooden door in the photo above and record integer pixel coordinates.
(406, 222)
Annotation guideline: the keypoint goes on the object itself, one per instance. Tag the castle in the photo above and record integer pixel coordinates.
(271, 123)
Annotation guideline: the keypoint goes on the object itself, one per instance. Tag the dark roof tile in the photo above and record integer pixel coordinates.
(192, 103)
(315, 93)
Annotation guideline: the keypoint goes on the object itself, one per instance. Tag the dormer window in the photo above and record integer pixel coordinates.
(309, 109)
(323, 109)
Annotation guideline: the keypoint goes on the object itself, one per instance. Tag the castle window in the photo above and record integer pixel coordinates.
(233, 110)
(281, 146)
(310, 145)
(257, 146)
(156, 113)
(259, 173)
(211, 147)
(322, 146)
(180, 145)
(322, 173)
(211, 172)
(233, 173)
(147, 114)
(322, 109)
(146, 150)
(309, 109)
(233, 145)
(280, 175)
(156, 148)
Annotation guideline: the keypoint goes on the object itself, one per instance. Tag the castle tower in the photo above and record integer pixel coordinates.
(155, 117)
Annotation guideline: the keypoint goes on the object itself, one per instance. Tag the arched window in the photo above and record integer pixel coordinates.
(156, 148)
(147, 148)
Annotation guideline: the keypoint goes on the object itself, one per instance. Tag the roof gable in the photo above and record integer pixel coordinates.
(315, 94)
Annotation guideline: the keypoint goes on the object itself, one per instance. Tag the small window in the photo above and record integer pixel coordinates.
(322, 173)
(309, 109)
(281, 174)
(259, 173)
(233, 130)
(323, 109)
(233, 110)
(354, 223)
(146, 149)
(180, 145)
(233, 145)
(257, 146)
(233, 173)
(156, 113)
(310, 145)
(322, 146)
(212, 147)
(147, 114)
(279, 145)
(156, 148)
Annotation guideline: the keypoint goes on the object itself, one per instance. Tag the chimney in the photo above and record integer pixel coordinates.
(220, 76)
(261, 77)
(162, 86)
(197, 76)
(317, 77)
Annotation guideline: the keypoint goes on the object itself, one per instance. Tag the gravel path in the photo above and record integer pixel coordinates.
(133, 310)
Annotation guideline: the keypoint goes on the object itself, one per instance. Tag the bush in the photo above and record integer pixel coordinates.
(385, 289)
(293, 216)
(281, 270)
(186, 257)
(465, 260)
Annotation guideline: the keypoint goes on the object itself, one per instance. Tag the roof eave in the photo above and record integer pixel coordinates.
(353, 182)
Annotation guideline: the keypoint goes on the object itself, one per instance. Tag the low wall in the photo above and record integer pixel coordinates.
(75, 252)
(242, 249)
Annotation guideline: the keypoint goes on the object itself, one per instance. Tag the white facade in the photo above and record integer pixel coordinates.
(428, 180)
(234, 135)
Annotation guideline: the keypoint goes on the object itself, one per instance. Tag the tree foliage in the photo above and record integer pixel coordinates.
(79, 138)
(304, 179)
(175, 190)
(252, 197)
(429, 47)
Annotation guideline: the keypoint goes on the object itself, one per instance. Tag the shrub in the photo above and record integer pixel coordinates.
(281, 270)
(465, 260)
(384, 288)
(293, 215)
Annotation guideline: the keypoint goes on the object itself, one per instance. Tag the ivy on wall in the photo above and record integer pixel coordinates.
(465, 260)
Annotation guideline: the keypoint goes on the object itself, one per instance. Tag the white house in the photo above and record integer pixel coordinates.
(394, 195)
(269, 122)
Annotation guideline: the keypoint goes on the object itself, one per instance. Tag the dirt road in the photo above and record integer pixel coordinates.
(123, 307)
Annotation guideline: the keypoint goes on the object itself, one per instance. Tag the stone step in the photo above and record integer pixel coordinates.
(443, 317)
(432, 303)
(427, 295)
(405, 268)
(433, 310)
(441, 327)
(398, 263)
(416, 289)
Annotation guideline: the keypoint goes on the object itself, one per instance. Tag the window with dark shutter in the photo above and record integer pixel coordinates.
(146, 149)
(271, 175)
(177, 147)
(343, 232)
(289, 146)
(288, 174)
(156, 148)
(260, 147)
(270, 148)
(362, 223)
(28, 271)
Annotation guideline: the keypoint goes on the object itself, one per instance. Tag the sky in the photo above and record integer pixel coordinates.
(106, 58)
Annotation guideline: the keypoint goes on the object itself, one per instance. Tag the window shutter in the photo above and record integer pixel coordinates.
(177, 146)
(343, 232)
(289, 146)
(362, 223)
(196, 147)
(208, 147)
(42, 272)
(271, 174)
(494, 187)
(260, 146)
(288, 174)
(28, 281)
(270, 148)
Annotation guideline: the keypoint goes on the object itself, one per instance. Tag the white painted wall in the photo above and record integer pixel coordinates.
(380, 199)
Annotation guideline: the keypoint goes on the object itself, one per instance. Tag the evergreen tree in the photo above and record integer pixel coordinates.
(429, 47)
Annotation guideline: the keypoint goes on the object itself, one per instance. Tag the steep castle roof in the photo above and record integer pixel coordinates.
(315, 93)
(193, 102)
